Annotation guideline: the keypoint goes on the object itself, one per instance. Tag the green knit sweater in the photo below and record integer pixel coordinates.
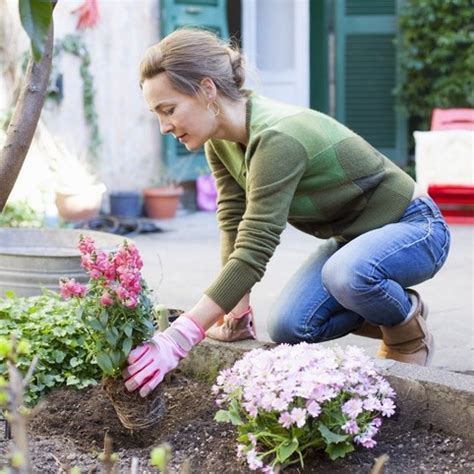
(302, 167)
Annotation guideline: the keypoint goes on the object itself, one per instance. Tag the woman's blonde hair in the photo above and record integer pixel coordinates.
(188, 55)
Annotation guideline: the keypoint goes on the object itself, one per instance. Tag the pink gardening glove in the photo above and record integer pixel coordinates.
(151, 361)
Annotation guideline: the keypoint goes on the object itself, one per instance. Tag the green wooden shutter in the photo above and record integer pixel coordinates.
(319, 55)
(208, 14)
(367, 72)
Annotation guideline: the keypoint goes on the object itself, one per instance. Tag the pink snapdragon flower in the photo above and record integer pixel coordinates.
(131, 302)
(86, 245)
(69, 287)
(106, 299)
(118, 273)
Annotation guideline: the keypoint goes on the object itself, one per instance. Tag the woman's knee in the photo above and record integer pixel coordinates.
(292, 328)
(285, 327)
(345, 282)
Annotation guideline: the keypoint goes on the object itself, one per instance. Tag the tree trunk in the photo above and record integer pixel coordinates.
(25, 118)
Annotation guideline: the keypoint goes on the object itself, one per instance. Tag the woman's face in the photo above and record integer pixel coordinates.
(185, 117)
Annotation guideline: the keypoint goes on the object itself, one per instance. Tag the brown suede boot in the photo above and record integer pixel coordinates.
(410, 341)
(369, 330)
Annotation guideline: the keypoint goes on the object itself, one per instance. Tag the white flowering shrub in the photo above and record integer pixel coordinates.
(293, 399)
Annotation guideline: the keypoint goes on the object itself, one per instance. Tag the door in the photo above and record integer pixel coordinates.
(275, 39)
(209, 14)
(366, 74)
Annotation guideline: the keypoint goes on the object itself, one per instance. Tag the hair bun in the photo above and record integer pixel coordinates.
(238, 67)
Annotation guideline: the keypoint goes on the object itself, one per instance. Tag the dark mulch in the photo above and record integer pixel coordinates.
(68, 429)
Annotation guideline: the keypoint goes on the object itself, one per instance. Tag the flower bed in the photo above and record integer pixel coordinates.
(59, 437)
(293, 399)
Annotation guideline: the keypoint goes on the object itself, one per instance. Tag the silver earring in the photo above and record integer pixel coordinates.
(214, 108)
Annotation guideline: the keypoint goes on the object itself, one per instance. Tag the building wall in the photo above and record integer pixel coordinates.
(130, 153)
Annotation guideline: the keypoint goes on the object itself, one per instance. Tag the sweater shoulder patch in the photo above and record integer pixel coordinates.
(358, 158)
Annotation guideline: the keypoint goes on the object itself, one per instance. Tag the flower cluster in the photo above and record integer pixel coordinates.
(291, 399)
(118, 274)
(115, 304)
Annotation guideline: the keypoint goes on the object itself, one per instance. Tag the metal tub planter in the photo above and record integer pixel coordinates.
(33, 259)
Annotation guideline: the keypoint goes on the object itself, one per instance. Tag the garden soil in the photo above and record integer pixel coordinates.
(67, 429)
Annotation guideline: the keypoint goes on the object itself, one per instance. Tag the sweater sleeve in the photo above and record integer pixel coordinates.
(230, 203)
(277, 164)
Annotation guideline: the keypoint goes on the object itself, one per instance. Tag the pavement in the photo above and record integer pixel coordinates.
(181, 262)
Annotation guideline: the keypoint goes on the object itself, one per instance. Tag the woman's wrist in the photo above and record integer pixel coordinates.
(206, 312)
(242, 306)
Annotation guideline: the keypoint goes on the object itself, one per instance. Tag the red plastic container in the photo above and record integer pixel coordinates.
(455, 201)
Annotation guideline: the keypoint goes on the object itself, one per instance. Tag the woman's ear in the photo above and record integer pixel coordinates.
(209, 89)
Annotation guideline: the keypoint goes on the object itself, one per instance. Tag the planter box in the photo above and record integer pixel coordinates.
(32, 259)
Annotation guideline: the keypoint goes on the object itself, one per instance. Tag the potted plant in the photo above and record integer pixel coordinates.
(162, 198)
(117, 310)
(78, 193)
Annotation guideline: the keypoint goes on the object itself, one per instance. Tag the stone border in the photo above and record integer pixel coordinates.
(426, 397)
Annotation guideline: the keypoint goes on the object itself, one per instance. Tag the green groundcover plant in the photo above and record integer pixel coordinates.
(52, 330)
(21, 214)
(115, 305)
(293, 399)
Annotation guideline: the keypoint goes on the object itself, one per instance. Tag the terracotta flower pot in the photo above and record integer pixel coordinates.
(80, 205)
(162, 203)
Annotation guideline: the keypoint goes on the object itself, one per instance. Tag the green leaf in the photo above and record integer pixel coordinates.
(222, 416)
(10, 294)
(116, 358)
(72, 380)
(104, 362)
(58, 356)
(329, 436)
(339, 450)
(104, 318)
(128, 329)
(49, 380)
(160, 456)
(74, 362)
(286, 449)
(36, 16)
(111, 338)
(235, 419)
(234, 413)
(127, 346)
(5, 348)
(95, 324)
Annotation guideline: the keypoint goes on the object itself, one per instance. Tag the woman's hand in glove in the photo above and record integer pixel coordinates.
(151, 361)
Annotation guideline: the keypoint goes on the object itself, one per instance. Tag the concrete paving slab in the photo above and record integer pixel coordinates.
(182, 262)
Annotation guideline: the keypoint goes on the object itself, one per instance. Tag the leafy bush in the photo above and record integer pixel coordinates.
(436, 56)
(20, 214)
(54, 333)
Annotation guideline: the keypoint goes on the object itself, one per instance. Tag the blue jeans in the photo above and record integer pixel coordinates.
(343, 284)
